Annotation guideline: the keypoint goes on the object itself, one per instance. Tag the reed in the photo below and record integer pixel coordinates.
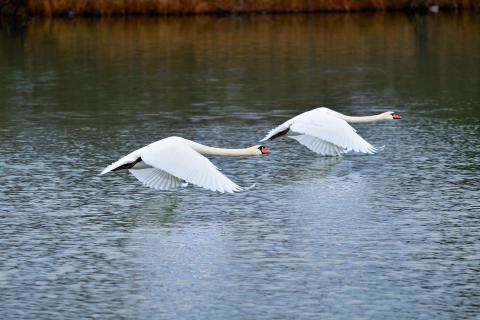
(164, 7)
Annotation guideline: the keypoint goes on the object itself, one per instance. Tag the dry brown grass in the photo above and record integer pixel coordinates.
(155, 7)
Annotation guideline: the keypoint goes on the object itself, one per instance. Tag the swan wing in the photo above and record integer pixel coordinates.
(156, 178)
(318, 145)
(278, 131)
(329, 128)
(178, 159)
(129, 158)
(285, 127)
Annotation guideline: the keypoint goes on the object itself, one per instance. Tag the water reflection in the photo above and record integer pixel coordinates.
(389, 235)
(158, 212)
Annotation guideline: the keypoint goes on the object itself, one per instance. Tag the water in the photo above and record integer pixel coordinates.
(392, 235)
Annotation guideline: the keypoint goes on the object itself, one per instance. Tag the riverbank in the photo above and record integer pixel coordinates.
(174, 7)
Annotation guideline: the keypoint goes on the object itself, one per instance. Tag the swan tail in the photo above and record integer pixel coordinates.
(249, 188)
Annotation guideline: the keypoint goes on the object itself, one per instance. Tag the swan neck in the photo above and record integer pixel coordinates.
(377, 117)
(206, 150)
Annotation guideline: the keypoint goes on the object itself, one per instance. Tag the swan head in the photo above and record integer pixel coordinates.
(258, 149)
(390, 115)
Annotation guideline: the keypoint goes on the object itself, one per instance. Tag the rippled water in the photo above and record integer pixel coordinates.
(388, 236)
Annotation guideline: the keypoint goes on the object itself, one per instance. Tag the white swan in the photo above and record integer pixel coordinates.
(170, 162)
(327, 132)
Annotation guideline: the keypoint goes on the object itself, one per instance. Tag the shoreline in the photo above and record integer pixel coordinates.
(92, 8)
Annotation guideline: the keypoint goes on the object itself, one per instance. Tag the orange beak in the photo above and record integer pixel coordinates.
(265, 151)
(396, 116)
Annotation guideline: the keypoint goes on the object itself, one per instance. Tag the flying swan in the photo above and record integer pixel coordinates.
(327, 132)
(170, 162)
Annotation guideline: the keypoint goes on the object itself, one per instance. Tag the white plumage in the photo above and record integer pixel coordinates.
(327, 132)
(171, 162)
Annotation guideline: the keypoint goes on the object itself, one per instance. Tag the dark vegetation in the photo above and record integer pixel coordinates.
(24, 8)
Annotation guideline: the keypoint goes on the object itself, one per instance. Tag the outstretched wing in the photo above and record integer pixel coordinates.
(179, 160)
(156, 178)
(278, 131)
(330, 129)
(318, 145)
(127, 160)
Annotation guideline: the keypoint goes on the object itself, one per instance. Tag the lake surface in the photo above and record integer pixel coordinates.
(395, 235)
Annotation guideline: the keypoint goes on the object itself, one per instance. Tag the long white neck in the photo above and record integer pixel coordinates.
(202, 149)
(377, 117)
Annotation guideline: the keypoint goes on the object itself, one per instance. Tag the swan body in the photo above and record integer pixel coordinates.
(171, 162)
(327, 132)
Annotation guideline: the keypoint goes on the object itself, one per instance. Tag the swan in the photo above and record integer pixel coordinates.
(170, 162)
(327, 132)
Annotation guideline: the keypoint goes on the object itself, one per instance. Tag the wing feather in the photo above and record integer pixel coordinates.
(179, 160)
(318, 145)
(330, 129)
(129, 158)
(275, 131)
(156, 178)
